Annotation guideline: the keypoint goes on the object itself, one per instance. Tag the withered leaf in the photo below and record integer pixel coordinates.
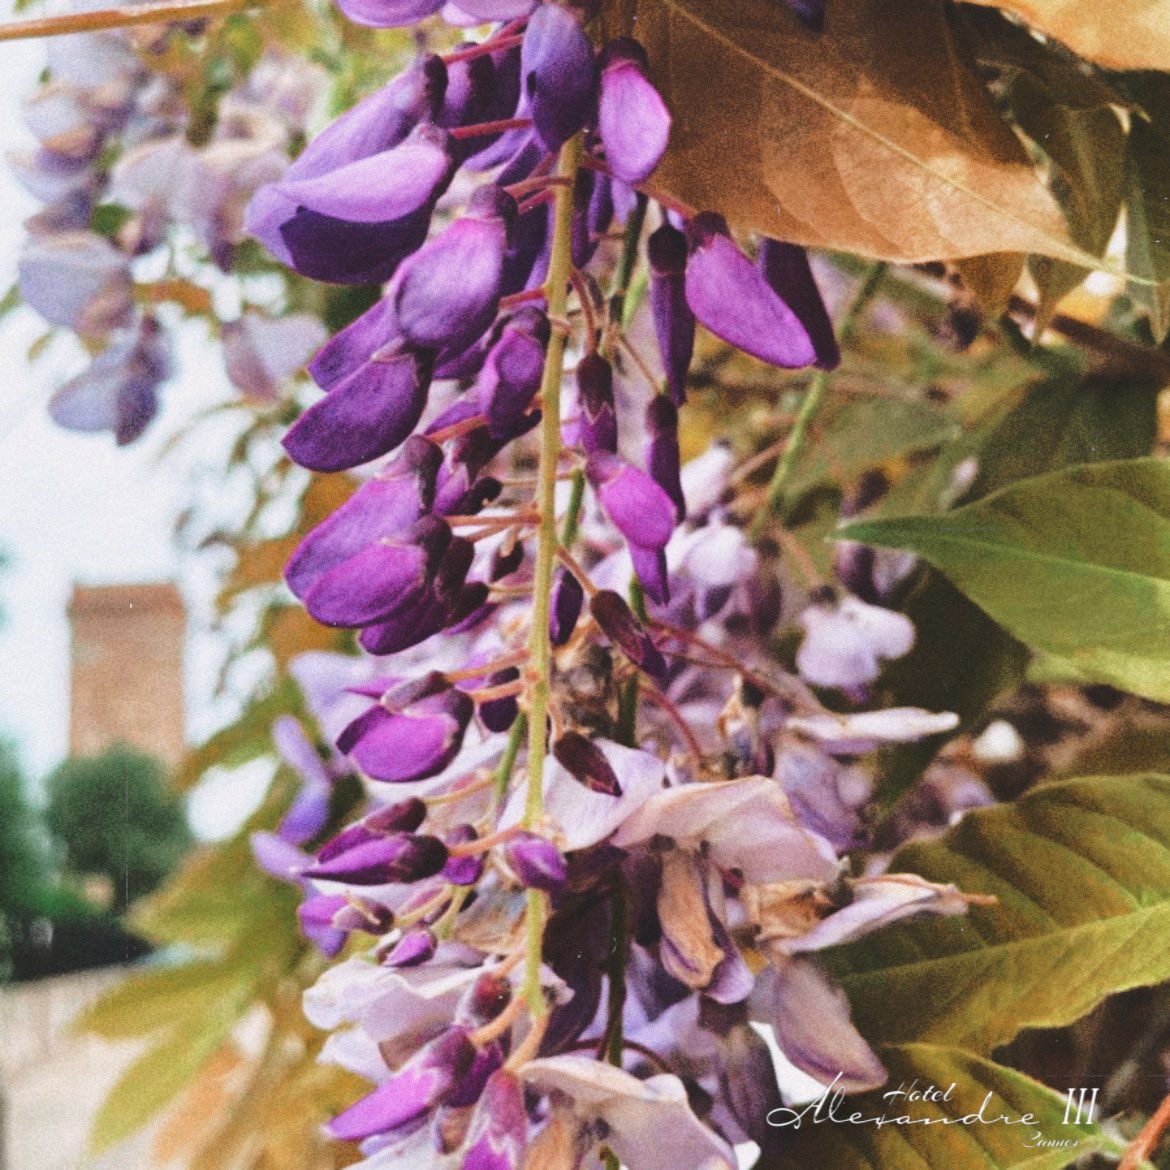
(1134, 34)
(875, 137)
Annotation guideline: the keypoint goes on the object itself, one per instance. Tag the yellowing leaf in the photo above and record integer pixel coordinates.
(1133, 34)
(875, 137)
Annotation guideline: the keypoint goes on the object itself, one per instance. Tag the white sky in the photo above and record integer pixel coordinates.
(77, 508)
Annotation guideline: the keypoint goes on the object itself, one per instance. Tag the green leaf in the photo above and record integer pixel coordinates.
(1075, 563)
(994, 1146)
(793, 147)
(1063, 421)
(1147, 202)
(961, 661)
(157, 1077)
(1081, 873)
(863, 432)
(156, 999)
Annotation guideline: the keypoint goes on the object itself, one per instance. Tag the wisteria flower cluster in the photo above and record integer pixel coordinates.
(112, 135)
(606, 832)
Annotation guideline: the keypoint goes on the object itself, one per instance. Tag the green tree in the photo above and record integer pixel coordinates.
(113, 815)
(24, 860)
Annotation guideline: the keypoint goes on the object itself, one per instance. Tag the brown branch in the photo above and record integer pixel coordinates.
(121, 17)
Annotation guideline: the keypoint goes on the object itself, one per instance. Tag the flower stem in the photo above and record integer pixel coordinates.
(813, 399)
(120, 17)
(540, 649)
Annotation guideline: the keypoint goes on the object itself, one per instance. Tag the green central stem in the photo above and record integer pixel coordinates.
(539, 646)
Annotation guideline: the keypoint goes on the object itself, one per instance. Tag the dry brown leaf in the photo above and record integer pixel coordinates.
(1124, 34)
(875, 137)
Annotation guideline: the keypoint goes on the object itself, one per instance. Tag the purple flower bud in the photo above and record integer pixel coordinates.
(631, 116)
(674, 323)
(366, 916)
(584, 761)
(786, 269)
(413, 744)
(389, 13)
(382, 508)
(356, 223)
(620, 626)
(597, 429)
(415, 947)
(402, 817)
(662, 455)
(484, 1000)
(428, 612)
(512, 371)
(499, 1129)
(403, 857)
(499, 714)
(506, 561)
(591, 206)
(382, 579)
(366, 415)
(537, 862)
(421, 1084)
(565, 609)
(446, 295)
(731, 297)
(650, 567)
(640, 510)
(463, 871)
(559, 73)
(377, 123)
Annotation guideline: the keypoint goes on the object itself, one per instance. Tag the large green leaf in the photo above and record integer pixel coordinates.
(997, 1145)
(1075, 563)
(1065, 420)
(1081, 871)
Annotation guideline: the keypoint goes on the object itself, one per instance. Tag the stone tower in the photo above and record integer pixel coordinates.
(127, 669)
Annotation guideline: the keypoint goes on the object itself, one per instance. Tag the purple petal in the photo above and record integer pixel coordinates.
(446, 295)
(415, 744)
(463, 871)
(662, 455)
(497, 1137)
(512, 372)
(388, 13)
(316, 918)
(403, 857)
(597, 428)
(674, 323)
(650, 567)
(567, 599)
(368, 414)
(631, 116)
(559, 73)
(786, 269)
(355, 345)
(279, 858)
(412, 1092)
(640, 510)
(730, 296)
(380, 509)
(373, 584)
(414, 948)
(537, 862)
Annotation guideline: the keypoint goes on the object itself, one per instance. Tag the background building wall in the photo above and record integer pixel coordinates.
(127, 669)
